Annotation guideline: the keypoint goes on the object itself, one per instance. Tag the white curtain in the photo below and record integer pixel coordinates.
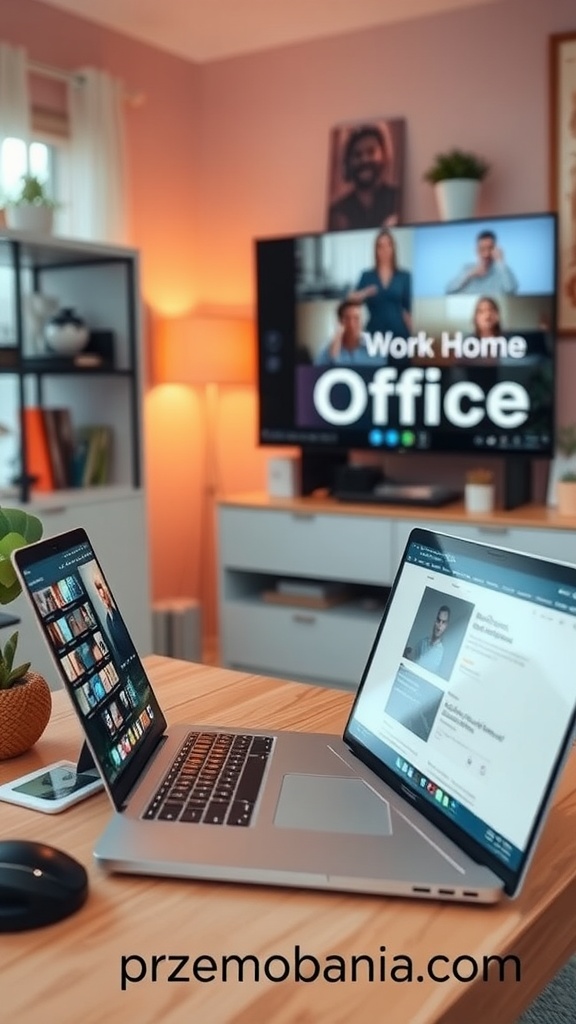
(14, 98)
(98, 165)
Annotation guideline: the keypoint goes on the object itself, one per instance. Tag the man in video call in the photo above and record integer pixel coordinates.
(489, 275)
(371, 202)
(348, 346)
(113, 624)
(429, 651)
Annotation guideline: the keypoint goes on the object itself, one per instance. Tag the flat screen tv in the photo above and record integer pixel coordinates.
(429, 337)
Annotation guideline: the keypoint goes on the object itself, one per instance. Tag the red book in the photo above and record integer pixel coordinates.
(38, 462)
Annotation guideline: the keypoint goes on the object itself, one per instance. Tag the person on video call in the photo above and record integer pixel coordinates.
(118, 634)
(429, 651)
(489, 275)
(386, 290)
(349, 343)
(371, 202)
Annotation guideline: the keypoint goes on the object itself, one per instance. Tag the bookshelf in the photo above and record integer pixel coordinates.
(99, 393)
(101, 283)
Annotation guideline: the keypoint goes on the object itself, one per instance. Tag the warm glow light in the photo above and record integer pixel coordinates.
(199, 350)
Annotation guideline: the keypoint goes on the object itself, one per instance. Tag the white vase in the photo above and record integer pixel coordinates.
(456, 198)
(479, 498)
(37, 220)
(566, 497)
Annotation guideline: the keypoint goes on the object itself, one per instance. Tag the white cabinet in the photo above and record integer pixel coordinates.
(116, 524)
(326, 645)
(261, 543)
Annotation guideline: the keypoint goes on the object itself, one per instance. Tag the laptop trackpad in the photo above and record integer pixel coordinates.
(326, 804)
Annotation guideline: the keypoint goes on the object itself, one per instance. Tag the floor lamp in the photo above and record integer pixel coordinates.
(208, 353)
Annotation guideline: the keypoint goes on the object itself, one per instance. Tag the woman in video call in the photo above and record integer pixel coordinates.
(486, 320)
(386, 290)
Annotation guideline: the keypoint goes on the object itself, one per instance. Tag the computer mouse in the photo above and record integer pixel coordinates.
(38, 885)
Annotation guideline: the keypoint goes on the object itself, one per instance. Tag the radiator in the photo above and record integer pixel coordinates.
(177, 629)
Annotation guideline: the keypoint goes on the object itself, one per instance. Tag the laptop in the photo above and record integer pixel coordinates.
(438, 786)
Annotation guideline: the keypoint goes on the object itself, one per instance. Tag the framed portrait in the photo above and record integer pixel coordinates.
(563, 170)
(365, 176)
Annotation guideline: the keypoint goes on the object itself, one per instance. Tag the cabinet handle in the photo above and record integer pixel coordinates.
(304, 620)
(493, 529)
(52, 510)
(304, 515)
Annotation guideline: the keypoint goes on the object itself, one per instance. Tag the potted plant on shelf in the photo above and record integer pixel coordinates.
(25, 699)
(479, 491)
(566, 494)
(31, 209)
(456, 176)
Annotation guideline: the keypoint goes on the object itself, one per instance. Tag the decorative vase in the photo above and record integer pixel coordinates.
(456, 198)
(24, 714)
(479, 498)
(566, 497)
(66, 333)
(29, 217)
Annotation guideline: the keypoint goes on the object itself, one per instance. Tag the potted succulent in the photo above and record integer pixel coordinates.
(562, 490)
(456, 176)
(479, 490)
(566, 494)
(25, 699)
(31, 209)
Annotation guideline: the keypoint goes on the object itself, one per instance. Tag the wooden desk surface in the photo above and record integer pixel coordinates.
(71, 971)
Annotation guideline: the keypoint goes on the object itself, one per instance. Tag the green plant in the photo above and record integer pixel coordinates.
(32, 193)
(568, 478)
(456, 164)
(17, 529)
(10, 675)
(566, 440)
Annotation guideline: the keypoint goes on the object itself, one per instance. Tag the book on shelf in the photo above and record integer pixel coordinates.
(37, 450)
(60, 439)
(91, 463)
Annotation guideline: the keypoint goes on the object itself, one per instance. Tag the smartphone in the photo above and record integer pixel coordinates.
(52, 789)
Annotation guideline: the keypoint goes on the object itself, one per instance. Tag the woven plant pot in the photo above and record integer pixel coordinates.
(24, 714)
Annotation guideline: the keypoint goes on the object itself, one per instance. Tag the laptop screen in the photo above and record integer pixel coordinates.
(95, 654)
(468, 699)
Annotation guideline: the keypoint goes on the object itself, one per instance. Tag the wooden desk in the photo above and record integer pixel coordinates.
(71, 971)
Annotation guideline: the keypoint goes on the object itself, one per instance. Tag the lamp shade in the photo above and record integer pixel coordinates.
(199, 350)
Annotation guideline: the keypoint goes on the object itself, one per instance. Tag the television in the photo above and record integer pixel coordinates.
(396, 357)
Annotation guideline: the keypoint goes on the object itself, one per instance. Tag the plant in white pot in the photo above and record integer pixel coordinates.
(31, 209)
(479, 491)
(25, 699)
(566, 494)
(456, 176)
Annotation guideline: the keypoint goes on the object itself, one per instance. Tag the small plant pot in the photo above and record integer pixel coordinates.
(24, 714)
(456, 198)
(479, 498)
(37, 220)
(566, 497)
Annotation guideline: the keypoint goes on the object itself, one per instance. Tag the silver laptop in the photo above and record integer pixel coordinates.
(438, 787)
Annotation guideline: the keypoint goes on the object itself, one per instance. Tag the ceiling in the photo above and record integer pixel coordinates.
(206, 30)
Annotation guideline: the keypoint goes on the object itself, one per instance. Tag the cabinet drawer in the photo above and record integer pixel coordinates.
(329, 646)
(559, 544)
(347, 548)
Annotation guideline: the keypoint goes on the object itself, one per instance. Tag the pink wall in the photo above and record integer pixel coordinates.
(225, 152)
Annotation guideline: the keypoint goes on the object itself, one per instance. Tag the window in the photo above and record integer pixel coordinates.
(47, 159)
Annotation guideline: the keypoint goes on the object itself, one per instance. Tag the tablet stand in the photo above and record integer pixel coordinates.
(86, 762)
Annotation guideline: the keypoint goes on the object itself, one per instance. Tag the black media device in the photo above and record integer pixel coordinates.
(456, 349)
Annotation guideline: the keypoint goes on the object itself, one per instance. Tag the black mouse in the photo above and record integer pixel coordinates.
(38, 885)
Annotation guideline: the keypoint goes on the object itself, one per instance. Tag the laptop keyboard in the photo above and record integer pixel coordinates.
(215, 779)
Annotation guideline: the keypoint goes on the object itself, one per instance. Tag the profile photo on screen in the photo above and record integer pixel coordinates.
(366, 174)
(437, 632)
